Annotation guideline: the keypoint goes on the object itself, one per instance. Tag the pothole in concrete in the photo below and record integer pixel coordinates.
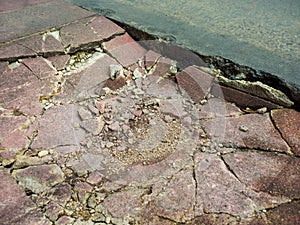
(132, 128)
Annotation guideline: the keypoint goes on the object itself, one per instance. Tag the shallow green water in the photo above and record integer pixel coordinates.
(263, 34)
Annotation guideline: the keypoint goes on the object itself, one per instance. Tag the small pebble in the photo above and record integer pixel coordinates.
(243, 128)
(115, 71)
(98, 49)
(114, 126)
(138, 91)
(130, 134)
(168, 118)
(43, 153)
(100, 106)
(137, 74)
(109, 144)
(203, 102)
(89, 144)
(125, 127)
(102, 144)
(138, 112)
(121, 148)
(173, 67)
(76, 125)
(152, 123)
(72, 61)
(14, 65)
(120, 100)
(262, 110)
(93, 109)
(145, 111)
(108, 219)
(130, 141)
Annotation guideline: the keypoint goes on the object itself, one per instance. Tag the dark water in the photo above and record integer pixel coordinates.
(262, 34)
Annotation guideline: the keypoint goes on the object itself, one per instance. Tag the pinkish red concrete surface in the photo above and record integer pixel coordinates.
(96, 129)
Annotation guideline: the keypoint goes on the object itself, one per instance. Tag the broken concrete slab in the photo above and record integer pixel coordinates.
(194, 83)
(215, 107)
(39, 178)
(84, 82)
(21, 89)
(38, 15)
(211, 196)
(12, 132)
(115, 84)
(23, 161)
(215, 219)
(14, 204)
(266, 172)
(60, 194)
(124, 204)
(33, 217)
(39, 44)
(240, 98)
(124, 49)
(259, 132)
(157, 86)
(59, 61)
(13, 5)
(286, 213)
(219, 190)
(40, 68)
(176, 199)
(88, 33)
(43, 44)
(288, 123)
(173, 107)
(148, 156)
(14, 51)
(57, 127)
(258, 89)
(163, 67)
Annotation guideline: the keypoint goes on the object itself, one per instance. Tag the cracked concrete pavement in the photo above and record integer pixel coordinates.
(96, 129)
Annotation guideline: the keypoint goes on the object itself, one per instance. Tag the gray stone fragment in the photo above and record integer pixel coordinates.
(115, 71)
(258, 89)
(84, 113)
(94, 125)
(243, 128)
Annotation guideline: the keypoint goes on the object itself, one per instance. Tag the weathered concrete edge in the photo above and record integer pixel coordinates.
(291, 91)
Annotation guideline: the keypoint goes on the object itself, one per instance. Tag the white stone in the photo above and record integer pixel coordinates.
(115, 71)
(43, 153)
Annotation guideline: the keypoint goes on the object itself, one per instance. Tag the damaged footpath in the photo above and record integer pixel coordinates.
(97, 129)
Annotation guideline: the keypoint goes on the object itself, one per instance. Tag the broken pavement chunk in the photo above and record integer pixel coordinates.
(115, 71)
(39, 178)
(194, 83)
(124, 49)
(94, 125)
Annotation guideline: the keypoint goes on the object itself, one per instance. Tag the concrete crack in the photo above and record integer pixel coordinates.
(196, 182)
(170, 220)
(229, 169)
(279, 131)
(32, 71)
